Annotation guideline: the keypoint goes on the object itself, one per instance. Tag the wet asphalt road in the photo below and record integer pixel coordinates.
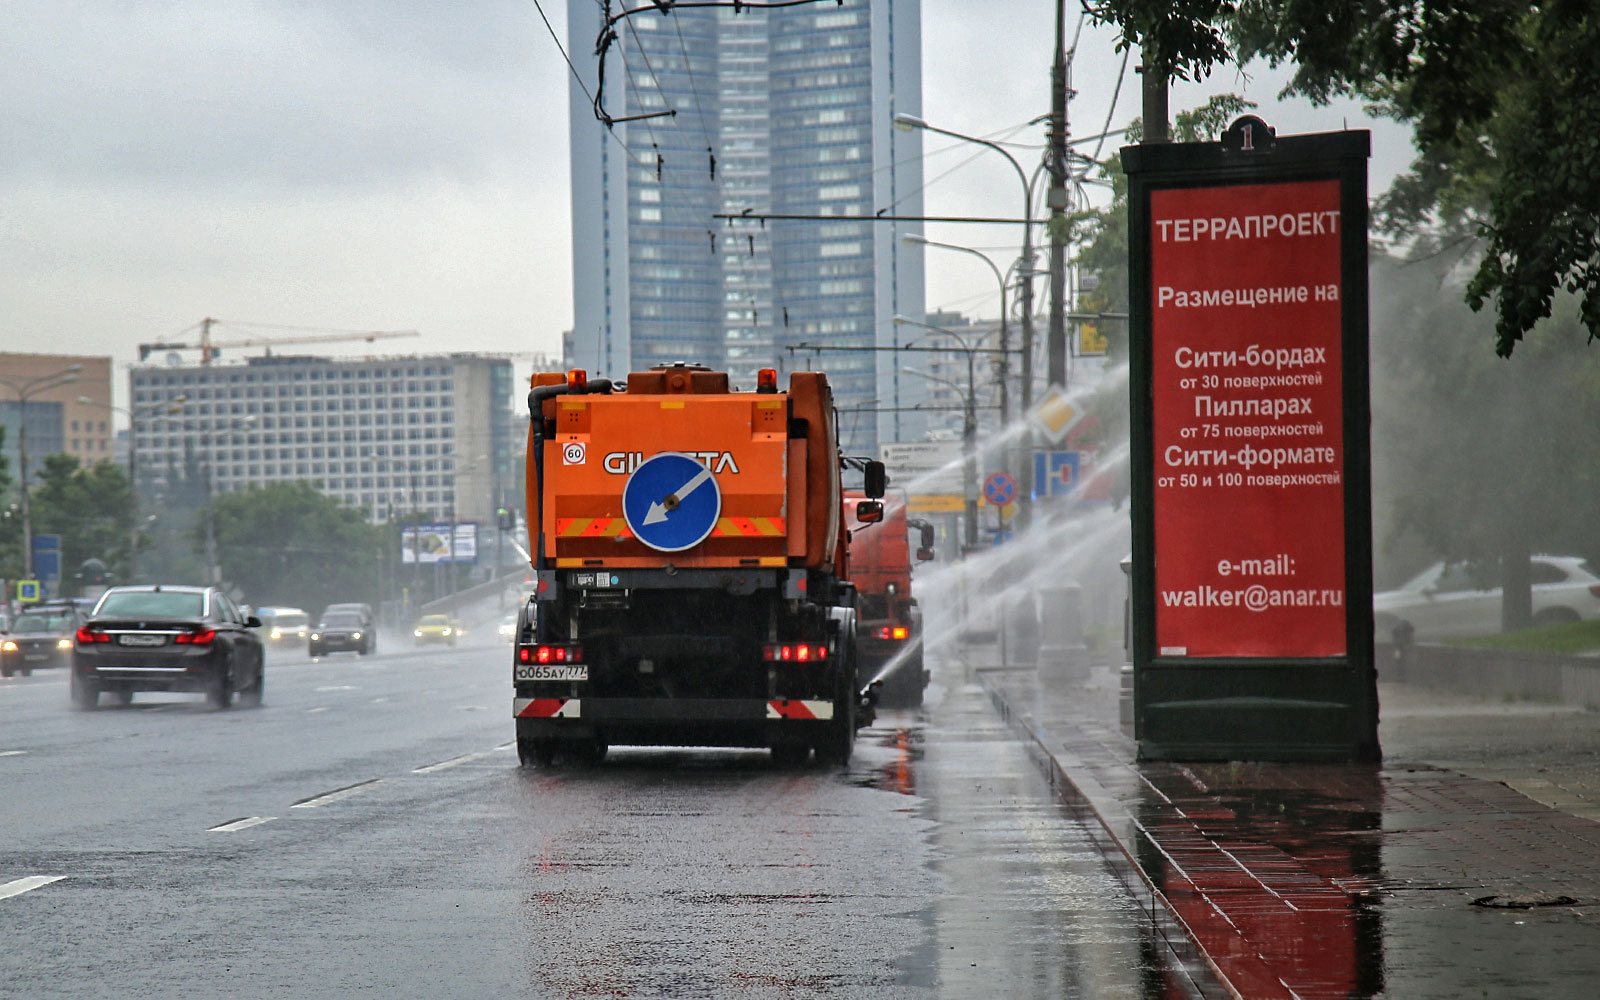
(367, 831)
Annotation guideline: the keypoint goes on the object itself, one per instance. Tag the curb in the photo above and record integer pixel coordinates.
(1116, 833)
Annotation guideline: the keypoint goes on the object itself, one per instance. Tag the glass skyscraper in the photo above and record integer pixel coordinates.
(778, 112)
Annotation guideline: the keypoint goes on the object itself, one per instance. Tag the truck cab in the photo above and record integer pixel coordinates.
(889, 636)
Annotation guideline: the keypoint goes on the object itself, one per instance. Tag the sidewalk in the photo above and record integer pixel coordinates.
(1466, 865)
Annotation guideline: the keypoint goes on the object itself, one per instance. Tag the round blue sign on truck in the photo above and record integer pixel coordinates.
(671, 502)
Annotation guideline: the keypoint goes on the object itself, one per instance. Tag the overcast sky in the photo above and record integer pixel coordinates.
(372, 165)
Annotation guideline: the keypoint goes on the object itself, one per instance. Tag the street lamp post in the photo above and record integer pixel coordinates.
(24, 391)
(1025, 473)
(213, 571)
(459, 471)
(1005, 336)
(969, 442)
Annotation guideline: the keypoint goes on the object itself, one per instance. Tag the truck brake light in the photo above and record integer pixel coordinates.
(893, 632)
(793, 652)
(550, 654)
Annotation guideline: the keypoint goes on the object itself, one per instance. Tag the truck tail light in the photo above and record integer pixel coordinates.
(893, 632)
(793, 652)
(88, 637)
(545, 653)
(202, 637)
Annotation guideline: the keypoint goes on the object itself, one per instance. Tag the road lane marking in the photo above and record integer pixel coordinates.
(17, 887)
(12, 753)
(319, 708)
(339, 687)
(340, 793)
(452, 762)
(472, 708)
(380, 701)
(243, 823)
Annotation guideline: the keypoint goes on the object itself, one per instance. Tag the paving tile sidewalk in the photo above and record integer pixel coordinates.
(1318, 880)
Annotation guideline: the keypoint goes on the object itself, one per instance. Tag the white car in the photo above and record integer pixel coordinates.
(1445, 600)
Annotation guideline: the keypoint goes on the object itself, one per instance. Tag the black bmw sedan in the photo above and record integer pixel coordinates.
(167, 638)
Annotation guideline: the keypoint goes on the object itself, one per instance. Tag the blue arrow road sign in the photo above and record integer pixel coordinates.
(671, 502)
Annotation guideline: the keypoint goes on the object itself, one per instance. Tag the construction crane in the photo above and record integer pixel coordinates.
(210, 348)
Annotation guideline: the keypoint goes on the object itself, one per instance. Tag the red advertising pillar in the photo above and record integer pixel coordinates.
(1252, 580)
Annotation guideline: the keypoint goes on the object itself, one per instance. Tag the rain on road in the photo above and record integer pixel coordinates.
(368, 829)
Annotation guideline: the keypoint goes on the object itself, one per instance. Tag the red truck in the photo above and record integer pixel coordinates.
(889, 636)
(691, 570)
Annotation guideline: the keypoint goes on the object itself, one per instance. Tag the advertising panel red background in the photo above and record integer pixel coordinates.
(1247, 421)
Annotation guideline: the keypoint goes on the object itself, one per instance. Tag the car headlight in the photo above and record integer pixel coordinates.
(276, 634)
(316, 637)
(63, 643)
(446, 632)
(418, 633)
(9, 646)
(355, 635)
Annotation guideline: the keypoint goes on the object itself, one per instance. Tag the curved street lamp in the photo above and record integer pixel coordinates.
(1025, 473)
(24, 391)
(914, 239)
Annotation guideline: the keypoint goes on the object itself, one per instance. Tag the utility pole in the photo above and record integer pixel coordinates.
(1056, 354)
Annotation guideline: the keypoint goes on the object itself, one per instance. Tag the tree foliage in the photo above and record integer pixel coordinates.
(1478, 458)
(1504, 97)
(90, 508)
(286, 543)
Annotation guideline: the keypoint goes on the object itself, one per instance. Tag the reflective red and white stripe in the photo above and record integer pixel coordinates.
(786, 708)
(546, 708)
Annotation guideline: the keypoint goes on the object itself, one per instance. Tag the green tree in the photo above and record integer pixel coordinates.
(1504, 98)
(1479, 458)
(91, 509)
(286, 543)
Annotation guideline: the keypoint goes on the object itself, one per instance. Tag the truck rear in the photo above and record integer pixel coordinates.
(690, 568)
(889, 637)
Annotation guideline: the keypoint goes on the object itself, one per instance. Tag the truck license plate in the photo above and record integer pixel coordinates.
(140, 639)
(552, 672)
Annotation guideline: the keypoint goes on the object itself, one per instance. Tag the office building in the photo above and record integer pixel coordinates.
(56, 420)
(783, 112)
(390, 436)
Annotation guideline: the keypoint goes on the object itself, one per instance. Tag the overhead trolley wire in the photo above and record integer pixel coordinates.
(574, 70)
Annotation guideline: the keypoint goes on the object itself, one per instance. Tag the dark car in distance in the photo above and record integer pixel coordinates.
(369, 622)
(168, 638)
(340, 632)
(41, 636)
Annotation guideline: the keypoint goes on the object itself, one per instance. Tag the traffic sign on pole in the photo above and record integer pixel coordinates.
(671, 502)
(1000, 489)
(1053, 416)
(1057, 473)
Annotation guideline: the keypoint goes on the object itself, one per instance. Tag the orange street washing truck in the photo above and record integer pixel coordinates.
(691, 585)
(888, 620)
